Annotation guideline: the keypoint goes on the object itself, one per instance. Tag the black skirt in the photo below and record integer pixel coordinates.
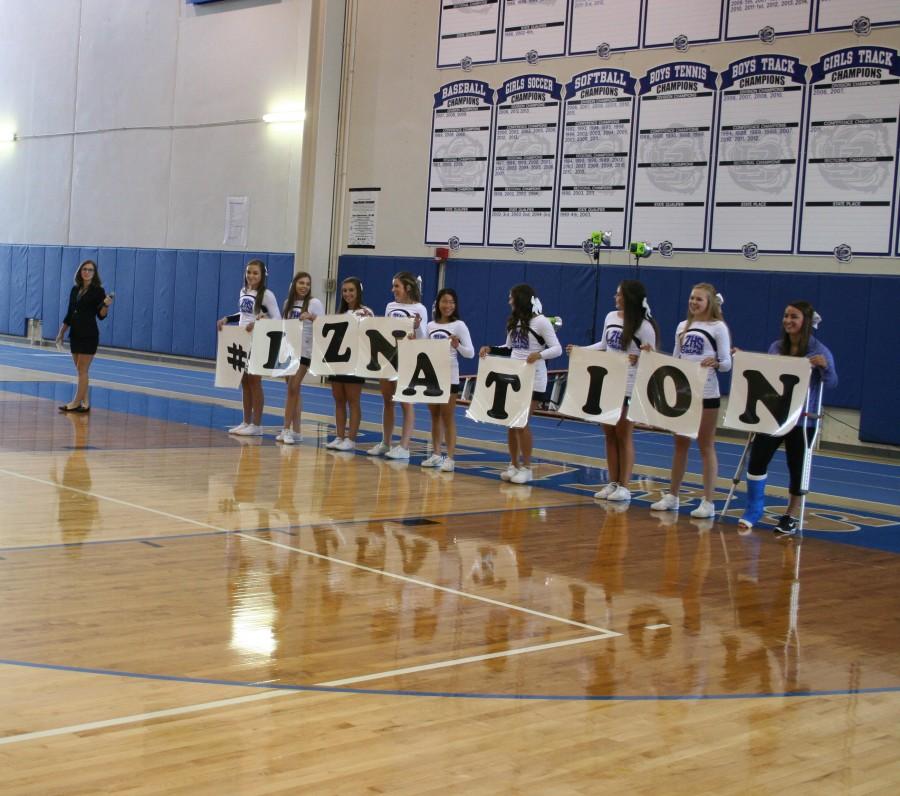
(81, 343)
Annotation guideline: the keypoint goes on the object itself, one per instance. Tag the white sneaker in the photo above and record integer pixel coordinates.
(606, 491)
(237, 429)
(705, 510)
(335, 444)
(620, 493)
(379, 450)
(345, 445)
(250, 430)
(448, 465)
(433, 461)
(508, 473)
(290, 437)
(397, 452)
(668, 502)
(522, 477)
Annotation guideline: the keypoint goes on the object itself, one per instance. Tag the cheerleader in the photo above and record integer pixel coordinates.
(87, 302)
(625, 329)
(797, 323)
(530, 337)
(702, 337)
(346, 390)
(255, 302)
(447, 325)
(302, 306)
(407, 303)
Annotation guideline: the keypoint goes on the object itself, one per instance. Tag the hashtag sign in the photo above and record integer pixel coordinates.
(237, 357)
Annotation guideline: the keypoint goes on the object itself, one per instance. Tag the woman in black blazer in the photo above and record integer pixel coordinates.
(87, 302)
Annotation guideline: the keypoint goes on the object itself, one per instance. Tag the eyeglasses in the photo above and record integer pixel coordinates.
(89, 270)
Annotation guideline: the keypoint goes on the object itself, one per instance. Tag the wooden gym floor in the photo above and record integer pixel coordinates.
(184, 613)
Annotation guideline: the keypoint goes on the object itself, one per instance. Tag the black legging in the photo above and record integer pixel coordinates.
(763, 449)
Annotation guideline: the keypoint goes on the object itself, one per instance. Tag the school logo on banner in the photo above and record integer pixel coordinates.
(232, 355)
(768, 393)
(335, 344)
(275, 348)
(503, 390)
(668, 394)
(423, 372)
(595, 386)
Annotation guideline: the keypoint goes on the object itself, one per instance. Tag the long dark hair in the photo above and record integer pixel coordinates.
(411, 284)
(633, 295)
(344, 307)
(522, 311)
(805, 331)
(261, 290)
(292, 294)
(95, 282)
(436, 310)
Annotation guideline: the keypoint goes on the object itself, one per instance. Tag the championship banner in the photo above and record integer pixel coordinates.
(378, 340)
(502, 392)
(275, 347)
(335, 344)
(232, 355)
(768, 393)
(668, 394)
(423, 372)
(595, 387)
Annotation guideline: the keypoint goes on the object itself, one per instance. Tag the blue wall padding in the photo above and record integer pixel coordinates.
(185, 302)
(34, 282)
(120, 318)
(144, 299)
(163, 300)
(53, 284)
(106, 265)
(231, 279)
(207, 305)
(18, 280)
(5, 267)
(880, 409)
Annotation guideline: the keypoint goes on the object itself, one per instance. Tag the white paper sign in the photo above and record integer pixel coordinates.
(768, 393)
(275, 347)
(502, 392)
(237, 219)
(668, 394)
(595, 387)
(232, 355)
(363, 218)
(379, 339)
(335, 345)
(423, 372)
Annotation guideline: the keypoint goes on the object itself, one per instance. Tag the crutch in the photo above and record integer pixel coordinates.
(736, 479)
(808, 446)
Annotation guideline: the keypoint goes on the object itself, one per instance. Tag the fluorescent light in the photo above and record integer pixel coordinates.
(284, 117)
(7, 136)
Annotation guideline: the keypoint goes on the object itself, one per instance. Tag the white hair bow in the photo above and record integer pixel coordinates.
(720, 299)
(536, 306)
(646, 305)
(816, 320)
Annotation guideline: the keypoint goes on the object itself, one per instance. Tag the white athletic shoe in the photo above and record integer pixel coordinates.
(522, 477)
(508, 473)
(448, 465)
(237, 429)
(668, 502)
(620, 493)
(379, 450)
(433, 461)
(290, 437)
(705, 510)
(250, 430)
(606, 491)
(397, 452)
(335, 443)
(345, 445)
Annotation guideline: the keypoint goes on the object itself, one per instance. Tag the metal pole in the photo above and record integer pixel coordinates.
(808, 446)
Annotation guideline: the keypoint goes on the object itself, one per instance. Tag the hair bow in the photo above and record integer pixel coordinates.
(536, 305)
(646, 305)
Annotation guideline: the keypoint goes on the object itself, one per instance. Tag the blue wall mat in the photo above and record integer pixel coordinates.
(53, 285)
(106, 264)
(144, 299)
(18, 281)
(5, 268)
(185, 302)
(207, 305)
(281, 272)
(880, 410)
(70, 262)
(163, 300)
(843, 304)
(121, 314)
(469, 279)
(231, 280)
(34, 285)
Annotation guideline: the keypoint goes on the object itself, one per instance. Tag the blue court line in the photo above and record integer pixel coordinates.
(446, 694)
